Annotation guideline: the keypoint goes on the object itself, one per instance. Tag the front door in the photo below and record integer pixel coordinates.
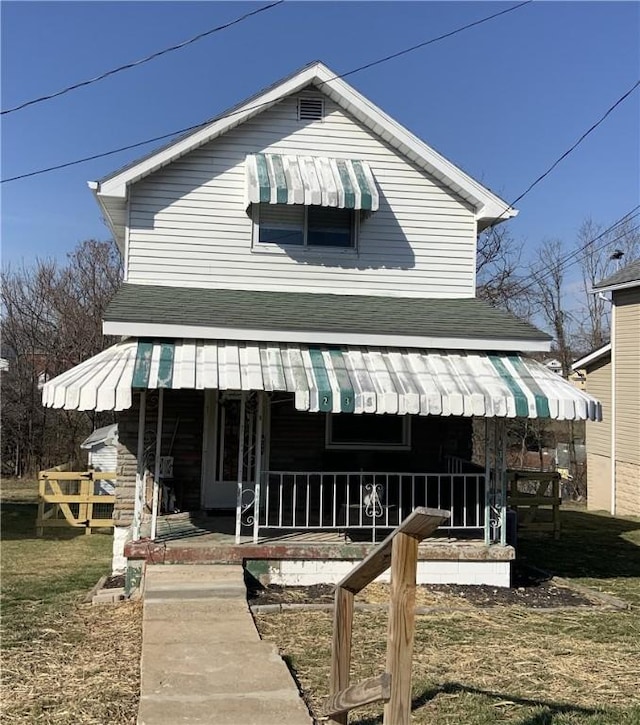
(220, 447)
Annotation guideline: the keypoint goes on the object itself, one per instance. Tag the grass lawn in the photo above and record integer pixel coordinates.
(62, 661)
(505, 665)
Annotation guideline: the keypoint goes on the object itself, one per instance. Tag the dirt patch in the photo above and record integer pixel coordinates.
(529, 588)
(114, 582)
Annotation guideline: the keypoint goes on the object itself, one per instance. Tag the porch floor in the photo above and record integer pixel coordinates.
(182, 538)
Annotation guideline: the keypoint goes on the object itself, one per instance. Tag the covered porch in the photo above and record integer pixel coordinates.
(293, 439)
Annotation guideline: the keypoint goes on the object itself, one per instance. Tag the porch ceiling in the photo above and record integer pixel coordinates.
(344, 379)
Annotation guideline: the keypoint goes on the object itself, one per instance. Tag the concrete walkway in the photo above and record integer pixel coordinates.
(202, 658)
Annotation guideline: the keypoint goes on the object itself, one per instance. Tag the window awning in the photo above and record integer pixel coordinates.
(338, 379)
(321, 181)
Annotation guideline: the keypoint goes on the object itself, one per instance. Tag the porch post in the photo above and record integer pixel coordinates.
(138, 503)
(156, 472)
(487, 483)
(243, 406)
(501, 473)
(258, 464)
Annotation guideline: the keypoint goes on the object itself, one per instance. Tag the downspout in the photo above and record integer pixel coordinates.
(613, 407)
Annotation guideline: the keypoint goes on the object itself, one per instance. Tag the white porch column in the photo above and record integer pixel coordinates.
(258, 464)
(487, 482)
(156, 474)
(495, 509)
(138, 504)
(243, 407)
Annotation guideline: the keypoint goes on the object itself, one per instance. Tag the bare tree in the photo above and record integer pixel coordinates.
(51, 321)
(599, 259)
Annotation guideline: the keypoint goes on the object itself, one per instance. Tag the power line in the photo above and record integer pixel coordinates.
(137, 63)
(434, 40)
(577, 143)
(259, 105)
(564, 261)
(623, 97)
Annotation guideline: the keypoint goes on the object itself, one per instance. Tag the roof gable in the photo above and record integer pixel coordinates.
(111, 191)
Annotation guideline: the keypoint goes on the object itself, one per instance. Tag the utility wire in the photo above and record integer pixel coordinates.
(623, 97)
(136, 63)
(259, 105)
(565, 262)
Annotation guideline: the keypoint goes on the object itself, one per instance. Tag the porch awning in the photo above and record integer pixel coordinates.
(342, 379)
(321, 181)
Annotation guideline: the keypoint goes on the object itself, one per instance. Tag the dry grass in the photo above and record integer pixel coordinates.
(62, 661)
(507, 665)
(18, 490)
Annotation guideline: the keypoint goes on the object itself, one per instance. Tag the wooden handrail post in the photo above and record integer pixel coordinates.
(341, 650)
(400, 551)
(400, 636)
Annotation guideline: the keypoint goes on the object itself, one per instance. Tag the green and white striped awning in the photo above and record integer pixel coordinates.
(327, 379)
(310, 180)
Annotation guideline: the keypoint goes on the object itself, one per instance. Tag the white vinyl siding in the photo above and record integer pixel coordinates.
(189, 225)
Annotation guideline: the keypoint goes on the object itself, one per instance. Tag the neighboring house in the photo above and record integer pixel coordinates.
(102, 454)
(554, 365)
(302, 341)
(613, 375)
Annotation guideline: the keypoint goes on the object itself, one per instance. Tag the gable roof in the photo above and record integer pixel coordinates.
(466, 323)
(628, 276)
(111, 191)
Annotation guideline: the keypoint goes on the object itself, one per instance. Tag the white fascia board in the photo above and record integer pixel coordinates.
(485, 202)
(142, 329)
(117, 185)
(592, 357)
(93, 185)
(615, 287)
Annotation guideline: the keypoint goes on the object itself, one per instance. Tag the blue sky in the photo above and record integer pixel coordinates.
(502, 100)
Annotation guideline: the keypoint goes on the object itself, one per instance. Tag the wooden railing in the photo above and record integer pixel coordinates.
(535, 495)
(400, 552)
(68, 498)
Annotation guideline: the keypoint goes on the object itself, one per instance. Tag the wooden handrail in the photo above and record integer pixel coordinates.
(400, 551)
(420, 524)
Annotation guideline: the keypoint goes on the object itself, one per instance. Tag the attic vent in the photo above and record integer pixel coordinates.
(310, 109)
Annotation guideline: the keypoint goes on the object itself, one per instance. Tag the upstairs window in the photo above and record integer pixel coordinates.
(305, 226)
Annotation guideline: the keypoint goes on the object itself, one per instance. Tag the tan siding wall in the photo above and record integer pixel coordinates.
(599, 385)
(627, 489)
(189, 225)
(627, 364)
(598, 482)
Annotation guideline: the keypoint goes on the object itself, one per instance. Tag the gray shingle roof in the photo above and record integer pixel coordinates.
(630, 273)
(306, 312)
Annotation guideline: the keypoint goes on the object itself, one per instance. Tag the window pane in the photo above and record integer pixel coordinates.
(329, 227)
(375, 430)
(281, 236)
(281, 224)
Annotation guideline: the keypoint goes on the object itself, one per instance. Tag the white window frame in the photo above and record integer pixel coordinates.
(405, 445)
(258, 246)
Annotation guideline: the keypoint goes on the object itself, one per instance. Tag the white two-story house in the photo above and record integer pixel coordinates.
(302, 349)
